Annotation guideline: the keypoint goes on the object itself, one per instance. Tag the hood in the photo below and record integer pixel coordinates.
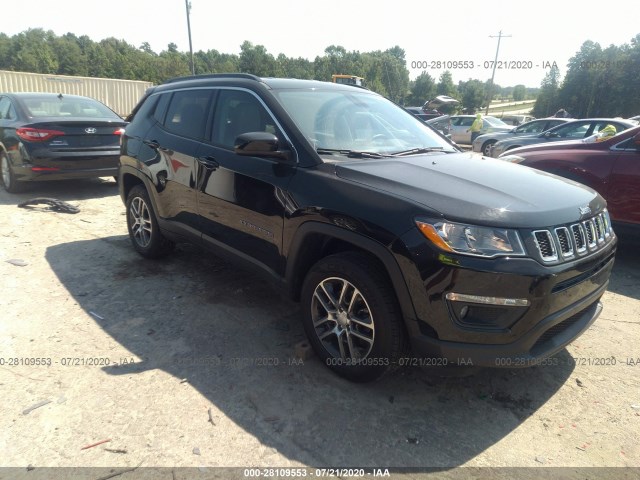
(468, 188)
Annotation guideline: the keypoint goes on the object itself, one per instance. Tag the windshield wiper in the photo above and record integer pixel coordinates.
(415, 151)
(352, 153)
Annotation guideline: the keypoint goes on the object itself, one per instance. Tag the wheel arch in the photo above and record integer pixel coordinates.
(314, 241)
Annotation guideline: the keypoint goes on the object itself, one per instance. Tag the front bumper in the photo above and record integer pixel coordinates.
(556, 304)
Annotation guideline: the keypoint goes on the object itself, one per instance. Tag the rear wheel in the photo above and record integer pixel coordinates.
(351, 316)
(142, 224)
(9, 181)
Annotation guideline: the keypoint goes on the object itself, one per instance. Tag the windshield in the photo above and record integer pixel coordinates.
(496, 122)
(348, 121)
(67, 106)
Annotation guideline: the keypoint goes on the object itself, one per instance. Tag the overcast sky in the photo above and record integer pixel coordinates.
(542, 32)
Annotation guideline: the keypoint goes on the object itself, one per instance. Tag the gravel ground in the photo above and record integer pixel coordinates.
(188, 362)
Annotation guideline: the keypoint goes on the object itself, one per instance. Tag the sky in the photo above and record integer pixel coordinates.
(542, 32)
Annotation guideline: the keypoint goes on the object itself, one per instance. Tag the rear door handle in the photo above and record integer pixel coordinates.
(155, 145)
(208, 162)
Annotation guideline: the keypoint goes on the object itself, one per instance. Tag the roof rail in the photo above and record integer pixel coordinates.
(246, 76)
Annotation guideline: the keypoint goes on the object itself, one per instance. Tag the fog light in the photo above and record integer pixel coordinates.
(514, 302)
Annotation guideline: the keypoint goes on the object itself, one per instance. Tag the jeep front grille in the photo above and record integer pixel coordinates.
(568, 241)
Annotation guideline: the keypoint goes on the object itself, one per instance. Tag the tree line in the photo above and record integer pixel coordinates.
(385, 72)
(600, 82)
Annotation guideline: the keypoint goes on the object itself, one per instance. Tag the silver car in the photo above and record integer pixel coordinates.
(460, 124)
(484, 143)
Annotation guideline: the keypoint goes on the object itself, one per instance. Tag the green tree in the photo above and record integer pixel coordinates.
(422, 89)
(519, 93)
(547, 101)
(473, 94)
(256, 60)
(32, 52)
(446, 86)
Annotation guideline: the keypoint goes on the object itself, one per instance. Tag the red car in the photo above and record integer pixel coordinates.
(611, 167)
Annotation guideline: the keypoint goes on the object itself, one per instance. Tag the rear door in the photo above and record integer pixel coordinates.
(240, 198)
(169, 155)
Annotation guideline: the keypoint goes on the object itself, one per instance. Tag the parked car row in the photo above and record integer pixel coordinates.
(573, 130)
(484, 143)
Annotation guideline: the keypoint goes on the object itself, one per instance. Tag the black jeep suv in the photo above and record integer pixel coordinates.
(394, 241)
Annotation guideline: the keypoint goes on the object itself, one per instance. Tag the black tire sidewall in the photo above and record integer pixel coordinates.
(388, 339)
(14, 186)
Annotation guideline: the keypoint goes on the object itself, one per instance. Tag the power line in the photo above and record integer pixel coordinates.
(188, 5)
(493, 74)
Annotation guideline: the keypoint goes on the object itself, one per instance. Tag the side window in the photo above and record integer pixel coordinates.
(466, 121)
(629, 144)
(6, 109)
(574, 131)
(552, 123)
(239, 112)
(187, 113)
(161, 107)
(532, 128)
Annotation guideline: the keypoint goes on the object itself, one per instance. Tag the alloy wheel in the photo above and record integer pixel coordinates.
(342, 319)
(140, 218)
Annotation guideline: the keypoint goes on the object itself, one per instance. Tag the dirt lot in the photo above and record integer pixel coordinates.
(190, 363)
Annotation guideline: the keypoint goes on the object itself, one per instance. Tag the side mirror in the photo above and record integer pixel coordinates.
(261, 144)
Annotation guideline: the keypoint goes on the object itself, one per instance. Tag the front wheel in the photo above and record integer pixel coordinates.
(486, 148)
(351, 316)
(142, 224)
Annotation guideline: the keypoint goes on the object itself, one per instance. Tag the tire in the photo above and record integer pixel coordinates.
(7, 177)
(340, 289)
(142, 224)
(486, 148)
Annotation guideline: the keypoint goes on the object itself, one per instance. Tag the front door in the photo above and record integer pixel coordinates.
(240, 198)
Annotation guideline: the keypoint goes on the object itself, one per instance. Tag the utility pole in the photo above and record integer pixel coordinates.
(495, 63)
(188, 5)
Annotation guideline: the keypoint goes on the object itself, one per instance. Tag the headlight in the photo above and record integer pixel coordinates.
(471, 239)
(511, 158)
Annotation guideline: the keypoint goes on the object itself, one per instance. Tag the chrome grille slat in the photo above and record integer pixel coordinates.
(591, 234)
(565, 242)
(545, 244)
(579, 238)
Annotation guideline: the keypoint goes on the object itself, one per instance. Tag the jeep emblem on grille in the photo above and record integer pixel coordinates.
(90, 130)
(585, 211)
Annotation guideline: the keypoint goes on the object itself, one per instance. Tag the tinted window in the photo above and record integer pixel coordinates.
(187, 113)
(239, 112)
(161, 108)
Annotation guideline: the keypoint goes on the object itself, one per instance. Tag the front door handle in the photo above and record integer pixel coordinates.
(208, 162)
